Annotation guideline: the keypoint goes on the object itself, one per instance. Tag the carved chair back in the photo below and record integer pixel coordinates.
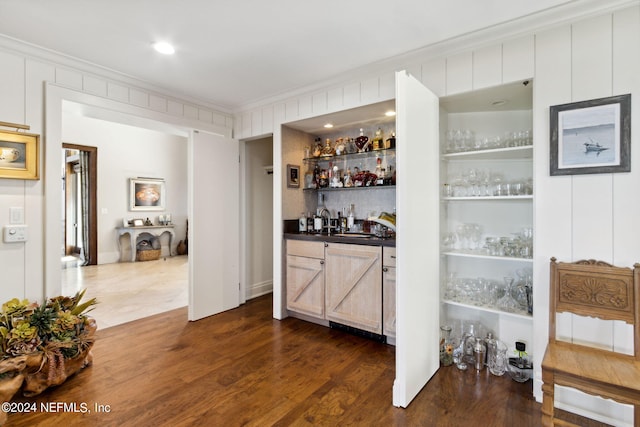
(596, 289)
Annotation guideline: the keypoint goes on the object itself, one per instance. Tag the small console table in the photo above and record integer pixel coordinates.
(134, 232)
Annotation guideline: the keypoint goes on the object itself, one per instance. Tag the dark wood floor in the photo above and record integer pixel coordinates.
(242, 367)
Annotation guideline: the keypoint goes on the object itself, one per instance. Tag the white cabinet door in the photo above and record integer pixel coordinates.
(418, 237)
(214, 206)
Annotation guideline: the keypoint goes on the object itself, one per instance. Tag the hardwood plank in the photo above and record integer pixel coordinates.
(242, 367)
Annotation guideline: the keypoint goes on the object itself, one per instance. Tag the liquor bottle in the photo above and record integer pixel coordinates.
(316, 176)
(377, 142)
(362, 142)
(391, 141)
(350, 218)
(309, 223)
(378, 168)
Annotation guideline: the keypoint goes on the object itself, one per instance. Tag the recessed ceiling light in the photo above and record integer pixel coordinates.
(329, 125)
(164, 48)
(390, 113)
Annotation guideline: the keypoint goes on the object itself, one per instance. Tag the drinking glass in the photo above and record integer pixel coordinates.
(499, 361)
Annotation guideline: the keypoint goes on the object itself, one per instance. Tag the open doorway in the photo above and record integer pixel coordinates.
(257, 199)
(207, 281)
(79, 181)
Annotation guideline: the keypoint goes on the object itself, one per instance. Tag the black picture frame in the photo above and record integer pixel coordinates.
(589, 137)
(293, 176)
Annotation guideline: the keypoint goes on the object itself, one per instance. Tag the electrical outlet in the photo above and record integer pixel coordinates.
(15, 233)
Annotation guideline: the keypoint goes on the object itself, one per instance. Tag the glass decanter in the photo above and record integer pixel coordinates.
(507, 303)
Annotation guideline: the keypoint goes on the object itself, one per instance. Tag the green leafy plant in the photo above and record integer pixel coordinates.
(58, 328)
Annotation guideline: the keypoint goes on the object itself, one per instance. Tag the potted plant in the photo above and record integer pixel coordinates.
(42, 345)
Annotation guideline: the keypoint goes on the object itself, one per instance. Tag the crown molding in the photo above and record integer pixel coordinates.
(38, 53)
(526, 25)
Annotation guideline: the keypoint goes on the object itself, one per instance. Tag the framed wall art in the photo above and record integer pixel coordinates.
(293, 176)
(591, 136)
(19, 152)
(147, 194)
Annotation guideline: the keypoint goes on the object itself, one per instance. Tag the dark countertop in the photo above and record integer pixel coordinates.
(369, 241)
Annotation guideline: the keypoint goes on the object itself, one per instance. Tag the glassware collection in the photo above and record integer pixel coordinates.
(460, 140)
(511, 295)
(484, 183)
(470, 345)
(468, 239)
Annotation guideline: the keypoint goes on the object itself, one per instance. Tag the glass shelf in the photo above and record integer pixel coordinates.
(492, 257)
(509, 153)
(489, 310)
(371, 187)
(477, 198)
(351, 156)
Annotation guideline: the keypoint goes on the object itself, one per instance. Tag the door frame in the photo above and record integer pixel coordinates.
(93, 197)
(55, 97)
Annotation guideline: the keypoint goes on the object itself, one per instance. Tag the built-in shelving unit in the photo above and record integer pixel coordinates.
(486, 210)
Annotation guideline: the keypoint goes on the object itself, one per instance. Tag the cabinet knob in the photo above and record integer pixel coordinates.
(321, 262)
(326, 245)
(385, 269)
(393, 256)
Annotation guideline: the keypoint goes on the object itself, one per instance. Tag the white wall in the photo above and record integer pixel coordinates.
(23, 71)
(592, 56)
(127, 152)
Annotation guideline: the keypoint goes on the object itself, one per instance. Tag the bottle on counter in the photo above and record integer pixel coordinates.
(479, 353)
(351, 218)
(343, 222)
(302, 223)
(309, 223)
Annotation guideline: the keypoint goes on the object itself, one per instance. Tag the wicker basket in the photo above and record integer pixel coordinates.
(148, 255)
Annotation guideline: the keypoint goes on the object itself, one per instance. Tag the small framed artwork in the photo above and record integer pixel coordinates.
(138, 222)
(293, 176)
(591, 136)
(19, 152)
(147, 194)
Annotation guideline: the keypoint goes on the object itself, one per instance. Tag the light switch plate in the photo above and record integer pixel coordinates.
(16, 215)
(14, 233)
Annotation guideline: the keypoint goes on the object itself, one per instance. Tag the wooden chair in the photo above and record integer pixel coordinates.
(596, 289)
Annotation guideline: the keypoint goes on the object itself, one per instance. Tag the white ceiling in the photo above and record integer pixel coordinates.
(233, 52)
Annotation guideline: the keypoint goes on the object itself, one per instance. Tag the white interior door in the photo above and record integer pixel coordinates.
(214, 226)
(418, 237)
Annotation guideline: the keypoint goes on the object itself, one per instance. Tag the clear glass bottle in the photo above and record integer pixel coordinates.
(446, 346)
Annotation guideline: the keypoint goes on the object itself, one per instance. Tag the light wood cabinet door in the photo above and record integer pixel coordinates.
(389, 292)
(305, 285)
(354, 286)
(389, 301)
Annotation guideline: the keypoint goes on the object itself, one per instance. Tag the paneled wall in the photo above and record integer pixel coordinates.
(22, 74)
(588, 216)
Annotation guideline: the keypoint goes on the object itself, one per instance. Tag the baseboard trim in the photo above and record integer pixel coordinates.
(259, 289)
